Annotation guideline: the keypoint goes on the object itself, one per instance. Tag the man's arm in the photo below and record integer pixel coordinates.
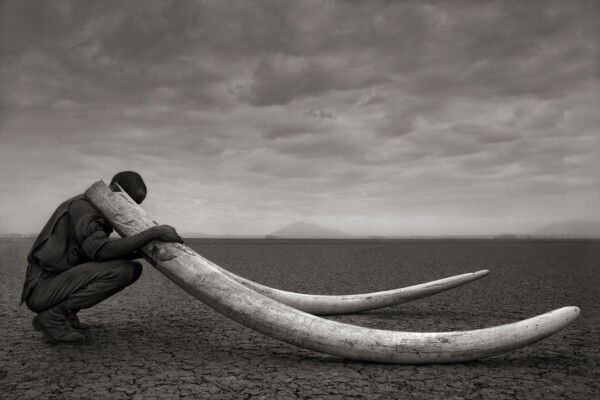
(91, 232)
(123, 247)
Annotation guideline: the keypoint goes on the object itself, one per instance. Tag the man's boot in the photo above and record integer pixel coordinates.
(75, 322)
(54, 325)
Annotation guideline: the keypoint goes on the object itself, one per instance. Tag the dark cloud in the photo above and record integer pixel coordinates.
(373, 100)
(485, 134)
(283, 131)
(280, 79)
(321, 114)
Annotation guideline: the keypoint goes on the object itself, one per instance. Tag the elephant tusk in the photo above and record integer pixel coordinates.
(205, 281)
(354, 303)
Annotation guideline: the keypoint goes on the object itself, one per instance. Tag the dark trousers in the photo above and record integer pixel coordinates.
(84, 285)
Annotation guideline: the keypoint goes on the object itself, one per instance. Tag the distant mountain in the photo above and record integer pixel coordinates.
(308, 230)
(570, 229)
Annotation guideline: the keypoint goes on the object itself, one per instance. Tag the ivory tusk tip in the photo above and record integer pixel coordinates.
(567, 314)
(482, 273)
(575, 310)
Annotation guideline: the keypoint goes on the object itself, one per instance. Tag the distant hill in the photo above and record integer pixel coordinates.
(308, 230)
(570, 229)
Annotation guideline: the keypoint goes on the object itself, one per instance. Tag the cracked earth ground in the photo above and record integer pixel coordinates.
(153, 340)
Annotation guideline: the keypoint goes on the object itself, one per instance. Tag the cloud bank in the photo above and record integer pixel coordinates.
(389, 118)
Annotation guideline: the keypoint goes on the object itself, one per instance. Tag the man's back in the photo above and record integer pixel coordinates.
(72, 236)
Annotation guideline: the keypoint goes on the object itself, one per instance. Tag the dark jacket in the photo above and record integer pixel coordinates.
(72, 236)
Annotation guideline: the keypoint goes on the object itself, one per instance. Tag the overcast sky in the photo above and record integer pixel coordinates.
(377, 118)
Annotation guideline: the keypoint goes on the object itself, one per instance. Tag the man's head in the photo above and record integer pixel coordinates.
(132, 183)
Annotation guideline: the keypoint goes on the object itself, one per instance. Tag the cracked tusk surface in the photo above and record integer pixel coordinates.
(354, 303)
(207, 282)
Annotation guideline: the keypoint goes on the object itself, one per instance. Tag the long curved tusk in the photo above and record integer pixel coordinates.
(354, 303)
(202, 279)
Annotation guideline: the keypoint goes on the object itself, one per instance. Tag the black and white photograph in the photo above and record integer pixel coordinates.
(320, 199)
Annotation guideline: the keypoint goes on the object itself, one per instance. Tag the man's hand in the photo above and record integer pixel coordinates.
(165, 233)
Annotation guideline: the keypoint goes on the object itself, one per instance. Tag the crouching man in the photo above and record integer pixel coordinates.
(73, 265)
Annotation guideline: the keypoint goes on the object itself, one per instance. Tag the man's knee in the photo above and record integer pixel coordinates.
(36, 305)
(125, 272)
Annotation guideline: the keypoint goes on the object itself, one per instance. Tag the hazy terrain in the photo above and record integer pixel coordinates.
(589, 229)
(153, 340)
(558, 229)
(308, 230)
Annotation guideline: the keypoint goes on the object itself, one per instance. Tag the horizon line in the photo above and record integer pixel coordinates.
(357, 237)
